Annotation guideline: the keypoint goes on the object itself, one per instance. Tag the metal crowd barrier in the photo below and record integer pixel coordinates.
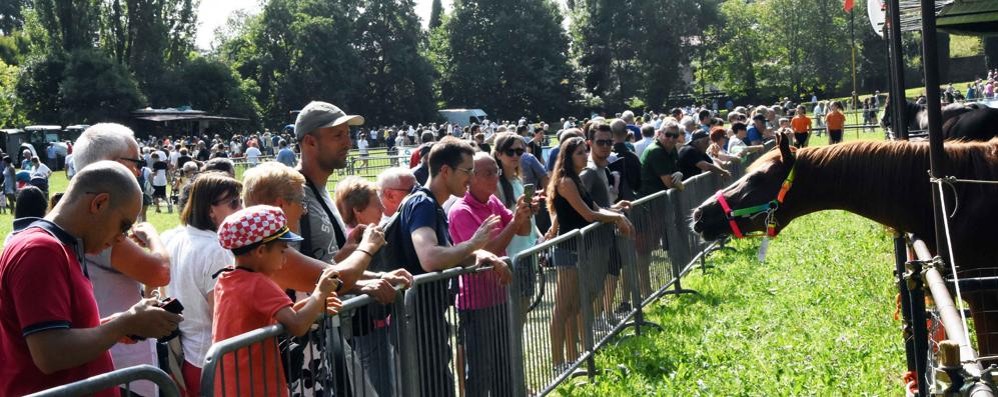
(370, 166)
(121, 378)
(461, 332)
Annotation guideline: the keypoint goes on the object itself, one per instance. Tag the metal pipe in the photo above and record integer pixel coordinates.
(898, 99)
(946, 307)
(937, 156)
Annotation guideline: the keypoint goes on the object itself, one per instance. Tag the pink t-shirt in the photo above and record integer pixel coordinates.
(244, 301)
(480, 290)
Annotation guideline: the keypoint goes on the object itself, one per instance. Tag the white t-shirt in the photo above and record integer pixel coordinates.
(41, 171)
(174, 155)
(195, 255)
(253, 155)
(362, 146)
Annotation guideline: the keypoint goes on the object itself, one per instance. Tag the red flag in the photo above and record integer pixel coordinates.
(847, 5)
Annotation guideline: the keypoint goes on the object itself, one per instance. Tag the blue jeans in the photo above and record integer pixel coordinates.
(376, 354)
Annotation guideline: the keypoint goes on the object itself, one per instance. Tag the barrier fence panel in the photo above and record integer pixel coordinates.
(654, 254)
(353, 353)
(373, 165)
(456, 335)
(547, 329)
(121, 379)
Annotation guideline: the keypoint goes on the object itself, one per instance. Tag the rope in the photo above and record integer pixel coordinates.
(956, 277)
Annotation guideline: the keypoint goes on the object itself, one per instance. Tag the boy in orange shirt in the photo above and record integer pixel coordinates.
(835, 122)
(801, 125)
(246, 298)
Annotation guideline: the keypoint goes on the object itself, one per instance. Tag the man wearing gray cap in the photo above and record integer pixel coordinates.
(693, 158)
(323, 133)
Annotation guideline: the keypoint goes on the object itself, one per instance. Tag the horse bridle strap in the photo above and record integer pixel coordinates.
(768, 208)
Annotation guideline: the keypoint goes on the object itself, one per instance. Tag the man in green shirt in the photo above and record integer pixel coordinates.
(659, 167)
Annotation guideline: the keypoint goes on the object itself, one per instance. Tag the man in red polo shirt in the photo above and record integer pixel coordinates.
(50, 330)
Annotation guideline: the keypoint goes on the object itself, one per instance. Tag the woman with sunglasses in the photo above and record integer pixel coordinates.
(571, 208)
(195, 255)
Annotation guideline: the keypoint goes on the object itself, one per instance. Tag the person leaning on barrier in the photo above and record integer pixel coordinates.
(430, 249)
(571, 208)
(247, 298)
(50, 328)
(660, 161)
(393, 185)
(693, 158)
(736, 144)
(481, 298)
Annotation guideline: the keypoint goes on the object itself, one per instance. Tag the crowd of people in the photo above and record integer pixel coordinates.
(81, 275)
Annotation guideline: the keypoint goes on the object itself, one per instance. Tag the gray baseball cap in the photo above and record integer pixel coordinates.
(319, 114)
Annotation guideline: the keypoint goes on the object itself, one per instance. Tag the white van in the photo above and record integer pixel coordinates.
(463, 117)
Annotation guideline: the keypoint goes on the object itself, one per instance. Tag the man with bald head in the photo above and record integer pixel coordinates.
(50, 328)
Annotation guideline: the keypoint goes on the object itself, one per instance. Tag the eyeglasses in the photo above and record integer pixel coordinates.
(671, 135)
(137, 162)
(489, 173)
(234, 202)
(469, 171)
(514, 152)
(604, 142)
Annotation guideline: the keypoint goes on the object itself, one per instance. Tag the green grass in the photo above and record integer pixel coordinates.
(815, 319)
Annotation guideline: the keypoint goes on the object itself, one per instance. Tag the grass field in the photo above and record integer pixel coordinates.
(815, 319)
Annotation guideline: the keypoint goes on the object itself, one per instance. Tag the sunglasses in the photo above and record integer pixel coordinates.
(671, 135)
(234, 202)
(514, 152)
(604, 142)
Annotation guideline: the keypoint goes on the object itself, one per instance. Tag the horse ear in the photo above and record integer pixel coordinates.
(783, 140)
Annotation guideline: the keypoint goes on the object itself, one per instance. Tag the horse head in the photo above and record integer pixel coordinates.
(760, 186)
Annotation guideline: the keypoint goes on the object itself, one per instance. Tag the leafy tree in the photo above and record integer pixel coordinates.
(69, 24)
(10, 114)
(211, 85)
(436, 9)
(507, 57)
(84, 86)
(10, 15)
(398, 80)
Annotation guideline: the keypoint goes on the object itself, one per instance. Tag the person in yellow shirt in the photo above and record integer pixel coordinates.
(835, 123)
(801, 125)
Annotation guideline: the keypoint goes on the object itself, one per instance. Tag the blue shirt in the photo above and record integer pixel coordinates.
(552, 158)
(287, 157)
(421, 210)
(753, 135)
(532, 169)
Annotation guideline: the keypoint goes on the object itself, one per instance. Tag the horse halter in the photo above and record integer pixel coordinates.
(768, 208)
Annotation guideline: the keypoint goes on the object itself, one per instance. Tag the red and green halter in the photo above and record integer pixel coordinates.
(768, 208)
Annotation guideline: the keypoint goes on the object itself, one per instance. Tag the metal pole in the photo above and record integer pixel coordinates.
(920, 334)
(900, 257)
(937, 157)
(898, 99)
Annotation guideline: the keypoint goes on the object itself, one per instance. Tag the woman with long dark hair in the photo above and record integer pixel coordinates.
(571, 208)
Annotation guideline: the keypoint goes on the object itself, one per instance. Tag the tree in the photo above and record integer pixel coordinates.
(84, 86)
(10, 15)
(10, 113)
(70, 24)
(436, 9)
(509, 58)
(211, 85)
(299, 51)
(398, 80)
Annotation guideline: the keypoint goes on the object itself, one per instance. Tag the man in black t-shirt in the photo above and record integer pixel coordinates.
(693, 158)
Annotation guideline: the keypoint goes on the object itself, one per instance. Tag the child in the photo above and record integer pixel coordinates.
(247, 299)
(801, 125)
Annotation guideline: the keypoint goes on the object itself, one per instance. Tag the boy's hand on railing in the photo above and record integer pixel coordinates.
(327, 283)
(333, 304)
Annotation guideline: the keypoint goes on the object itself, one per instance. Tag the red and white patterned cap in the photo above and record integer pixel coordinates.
(251, 225)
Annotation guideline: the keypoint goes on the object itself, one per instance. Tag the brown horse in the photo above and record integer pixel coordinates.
(883, 181)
